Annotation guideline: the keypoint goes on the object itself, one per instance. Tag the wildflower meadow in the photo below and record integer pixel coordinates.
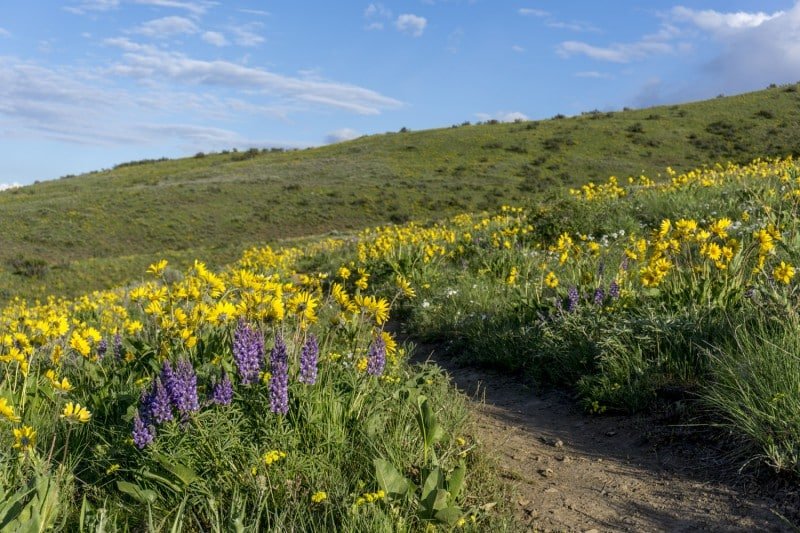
(276, 393)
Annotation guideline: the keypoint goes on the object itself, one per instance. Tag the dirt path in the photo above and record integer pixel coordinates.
(573, 472)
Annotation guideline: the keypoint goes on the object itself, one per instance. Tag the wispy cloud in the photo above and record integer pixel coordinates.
(257, 12)
(4, 33)
(87, 6)
(246, 35)
(377, 15)
(593, 74)
(616, 52)
(530, 12)
(195, 8)
(517, 48)
(411, 24)
(576, 26)
(149, 63)
(166, 27)
(718, 21)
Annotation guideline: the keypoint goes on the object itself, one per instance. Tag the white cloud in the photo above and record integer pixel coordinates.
(377, 11)
(166, 27)
(616, 52)
(503, 116)
(7, 186)
(517, 48)
(215, 38)
(528, 12)
(341, 135)
(148, 63)
(92, 5)
(411, 24)
(716, 21)
(374, 26)
(245, 35)
(4, 33)
(454, 40)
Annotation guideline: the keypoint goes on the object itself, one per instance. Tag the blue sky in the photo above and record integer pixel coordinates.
(86, 84)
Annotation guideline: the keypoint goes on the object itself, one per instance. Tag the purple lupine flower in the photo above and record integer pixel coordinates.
(183, 391)
(222, 393)
(156, 404)
(613, 290)
(102, 348)
(624, 264)
(248, 353)
(376, 358)
(572, 299)
(279, 381)
(308, 361)
(599, 296)
(117, 346)
(559, 305)
(143, 434)
(749, 292)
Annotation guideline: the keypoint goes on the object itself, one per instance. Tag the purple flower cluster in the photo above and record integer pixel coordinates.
(222, 393)
(102, 348)
(613, 290)
(279, 381)
(376, 358)
(143, 433)
(182, 388)
(572, 299)
(599, 296)
(248, 352)
(308, 361)
(172, 389)
(118, 346)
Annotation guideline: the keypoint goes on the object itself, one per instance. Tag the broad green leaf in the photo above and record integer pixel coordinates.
(456, 482)
(137, 492)
(393, 483)
(182, 472)
(449, 515)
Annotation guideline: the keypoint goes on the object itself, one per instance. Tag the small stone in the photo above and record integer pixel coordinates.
(591, 531)
(610, 433)
(551, 490)
(563, 458)
(523, 502)
(546, 472)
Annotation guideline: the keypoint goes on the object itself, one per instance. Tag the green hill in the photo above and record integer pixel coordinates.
(102, 228)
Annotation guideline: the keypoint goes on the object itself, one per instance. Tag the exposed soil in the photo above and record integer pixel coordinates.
(575, 472)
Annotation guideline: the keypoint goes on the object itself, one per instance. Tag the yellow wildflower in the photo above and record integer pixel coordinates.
(783, 273)
(24, 438)
(7, 410)
(273, 456)
(319, 497)
(551, 280)
(73, 412)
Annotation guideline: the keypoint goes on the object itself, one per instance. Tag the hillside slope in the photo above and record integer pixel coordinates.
(98, 229)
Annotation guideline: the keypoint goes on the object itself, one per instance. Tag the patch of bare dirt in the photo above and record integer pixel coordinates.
(574, 472)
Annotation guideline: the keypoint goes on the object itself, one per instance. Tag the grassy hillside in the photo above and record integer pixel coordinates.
(99, 229)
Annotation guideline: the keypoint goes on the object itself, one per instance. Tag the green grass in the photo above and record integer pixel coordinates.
(84, 231)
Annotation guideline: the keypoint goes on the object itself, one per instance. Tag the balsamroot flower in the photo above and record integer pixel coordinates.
(73, 412)
(222, 393)
(376, 358)
(308, 361)
(248, 352)
(279, 381)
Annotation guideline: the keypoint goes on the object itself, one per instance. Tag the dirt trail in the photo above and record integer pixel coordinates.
(573, 472)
